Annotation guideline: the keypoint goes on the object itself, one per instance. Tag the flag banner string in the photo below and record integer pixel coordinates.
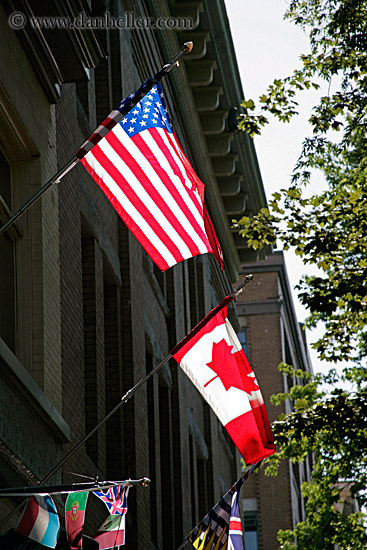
(131, 392)
(117, 114)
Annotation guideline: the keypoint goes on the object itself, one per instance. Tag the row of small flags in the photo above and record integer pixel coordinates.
(220, 529)
(212, 357)
(40, 521)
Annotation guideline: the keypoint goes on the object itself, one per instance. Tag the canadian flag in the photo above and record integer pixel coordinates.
(213, 359)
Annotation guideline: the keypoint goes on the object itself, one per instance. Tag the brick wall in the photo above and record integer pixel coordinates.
(98, 317)
(262, 308)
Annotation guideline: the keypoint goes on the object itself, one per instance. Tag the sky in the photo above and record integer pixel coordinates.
(268, 47)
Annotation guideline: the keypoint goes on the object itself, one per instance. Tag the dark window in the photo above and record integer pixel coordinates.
(152, 451)
(5, 180)
(202, 483)
(82, 93)
(161, 278)
(251, 530)
(90, 344)
(197, 294)
(194, 515)
(243, 338)
(167, 467)
(7, 255)
(113, 386)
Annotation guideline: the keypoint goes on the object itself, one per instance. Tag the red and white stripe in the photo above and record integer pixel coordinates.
(39, 520)
(111, 534)
(235, 526)
(113, 118)
(154, 189)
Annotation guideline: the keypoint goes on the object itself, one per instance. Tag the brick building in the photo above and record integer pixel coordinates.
(84, 313)
(270, 334)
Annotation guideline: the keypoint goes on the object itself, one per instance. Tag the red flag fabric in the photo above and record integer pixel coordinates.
(213, 359)
(111, 534)
(40, 521)
(142, 170)
(75, 506)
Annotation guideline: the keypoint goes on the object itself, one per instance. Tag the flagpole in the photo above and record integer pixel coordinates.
(55, 179)
(72, 487)
(132, 390)
(129, 394)
(186, 48)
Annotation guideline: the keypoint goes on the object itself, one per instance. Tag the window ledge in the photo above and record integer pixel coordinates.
(32, 392)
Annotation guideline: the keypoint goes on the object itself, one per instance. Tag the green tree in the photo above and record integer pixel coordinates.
(328, 230)
(328, 427)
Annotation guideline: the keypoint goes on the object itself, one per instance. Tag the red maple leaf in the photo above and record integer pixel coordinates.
(227, 366)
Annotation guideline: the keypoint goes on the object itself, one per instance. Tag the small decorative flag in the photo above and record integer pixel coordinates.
(221, 529)
(212, 357)
(235, 533)
(40, 521)
(136, 160)
(111, 533)
(115, 499)
(75, 506)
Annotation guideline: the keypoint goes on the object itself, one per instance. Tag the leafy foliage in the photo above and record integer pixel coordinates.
(329, 430)
(328, 230)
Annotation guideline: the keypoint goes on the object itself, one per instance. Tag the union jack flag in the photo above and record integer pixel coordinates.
(221, 529)
(235, 534)
(115, 499)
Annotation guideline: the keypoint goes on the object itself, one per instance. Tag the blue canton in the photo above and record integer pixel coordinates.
(150, 112)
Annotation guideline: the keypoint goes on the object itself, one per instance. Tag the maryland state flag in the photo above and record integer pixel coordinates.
(75, 506)
(212, 357)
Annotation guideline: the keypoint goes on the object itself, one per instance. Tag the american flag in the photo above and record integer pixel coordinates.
(138, 163)
(119, 112)
(115, 499)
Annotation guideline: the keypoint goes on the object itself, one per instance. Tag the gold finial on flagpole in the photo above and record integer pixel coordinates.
(187, 47)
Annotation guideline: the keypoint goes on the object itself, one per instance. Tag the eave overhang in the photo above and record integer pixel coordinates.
(224, 157)
(57, 55)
